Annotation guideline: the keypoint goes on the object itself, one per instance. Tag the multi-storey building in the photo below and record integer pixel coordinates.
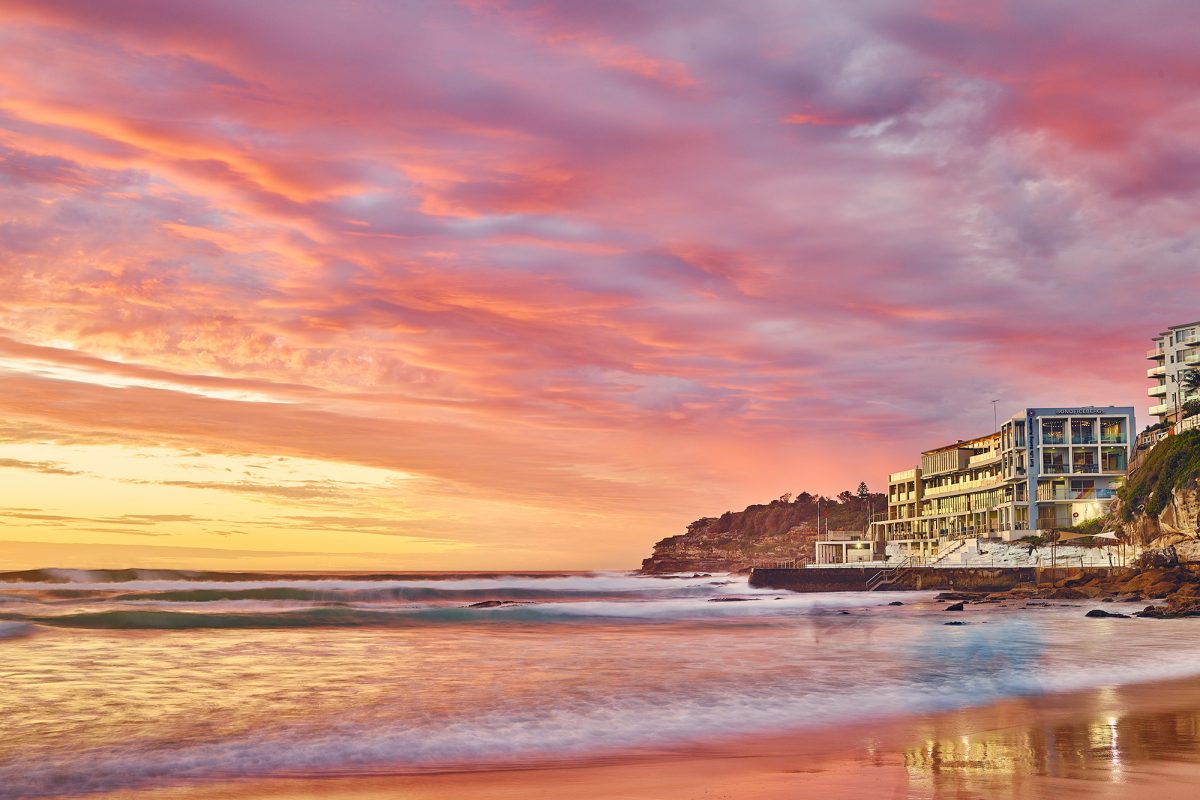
(1175, 351)
(1045, 468)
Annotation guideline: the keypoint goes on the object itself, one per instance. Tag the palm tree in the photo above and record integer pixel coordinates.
(1189, 381)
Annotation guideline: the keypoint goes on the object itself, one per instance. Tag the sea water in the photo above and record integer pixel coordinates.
(121, 681)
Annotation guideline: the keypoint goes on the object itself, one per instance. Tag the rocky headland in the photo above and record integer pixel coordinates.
(782, 530)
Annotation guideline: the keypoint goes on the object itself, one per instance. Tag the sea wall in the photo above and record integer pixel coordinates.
(962, 579)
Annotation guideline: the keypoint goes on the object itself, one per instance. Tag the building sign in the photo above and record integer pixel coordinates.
(1067, 411)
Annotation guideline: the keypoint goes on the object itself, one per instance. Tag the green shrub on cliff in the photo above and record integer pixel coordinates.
(1172, 464)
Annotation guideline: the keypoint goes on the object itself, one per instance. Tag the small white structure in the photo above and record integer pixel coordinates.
(844, 547)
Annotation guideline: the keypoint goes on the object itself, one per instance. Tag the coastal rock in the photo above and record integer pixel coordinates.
(1098, 613)
(498, 603)
(956, 622)
(955, 607)
(734, 599)
(959, 596)
(1177, 605)
(895, 603)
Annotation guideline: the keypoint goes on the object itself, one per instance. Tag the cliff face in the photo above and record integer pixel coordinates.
(1159, 504)
(782, 530)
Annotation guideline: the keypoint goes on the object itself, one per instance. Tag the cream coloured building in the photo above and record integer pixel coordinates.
(1045, 468)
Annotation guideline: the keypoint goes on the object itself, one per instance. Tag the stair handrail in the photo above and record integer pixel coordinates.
(890, 574)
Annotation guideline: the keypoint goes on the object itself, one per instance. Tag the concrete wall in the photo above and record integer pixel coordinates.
(964, 579)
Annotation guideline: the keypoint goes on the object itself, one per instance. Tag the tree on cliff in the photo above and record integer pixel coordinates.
(1189, 381)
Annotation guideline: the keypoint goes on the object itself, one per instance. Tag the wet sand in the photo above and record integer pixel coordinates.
(1115, 742)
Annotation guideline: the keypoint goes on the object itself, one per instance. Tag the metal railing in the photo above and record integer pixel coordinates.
(889, 575)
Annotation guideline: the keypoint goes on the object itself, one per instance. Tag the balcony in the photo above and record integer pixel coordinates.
(1160, 370)
(963, 486)
(1191, 359)
(984, 458)
(1158, 411)
(1156, 355)
(905, 475)
(1157, 391)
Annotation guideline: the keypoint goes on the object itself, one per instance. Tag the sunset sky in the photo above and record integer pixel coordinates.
(493, 285)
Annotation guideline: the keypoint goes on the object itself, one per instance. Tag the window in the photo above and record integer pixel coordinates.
(1052, 490)
(1054, 460)
(1020, 434)
(1083, 431)
(1112, 430)
(1053, 431)
(1082, 489)
(1083, 459)
(1112, 459)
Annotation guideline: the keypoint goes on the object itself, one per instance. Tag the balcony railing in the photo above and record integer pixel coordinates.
(963, 486)
(1156, 354)
(1157, 391)
(1087, 468)
(1161, 369)
(983, 458)
(1159, 410)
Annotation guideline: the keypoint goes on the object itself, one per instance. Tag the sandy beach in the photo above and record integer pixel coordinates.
(1113, 742)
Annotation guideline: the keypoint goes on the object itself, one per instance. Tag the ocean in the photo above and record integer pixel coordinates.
(117, 681)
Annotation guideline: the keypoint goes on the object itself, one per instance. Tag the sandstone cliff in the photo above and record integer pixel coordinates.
(782, 530)
(1159, 505)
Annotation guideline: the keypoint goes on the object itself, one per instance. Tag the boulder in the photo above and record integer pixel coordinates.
(1102, 614)
(955, 607)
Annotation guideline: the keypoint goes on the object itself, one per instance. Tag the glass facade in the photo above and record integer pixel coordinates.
(1054, 460)
(1083, 431)
(1054, 431)
(1112, 430)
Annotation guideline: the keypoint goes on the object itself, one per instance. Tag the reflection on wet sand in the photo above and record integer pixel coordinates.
(1030, 743)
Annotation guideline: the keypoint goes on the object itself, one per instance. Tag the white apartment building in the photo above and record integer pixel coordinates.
(1176, 350)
